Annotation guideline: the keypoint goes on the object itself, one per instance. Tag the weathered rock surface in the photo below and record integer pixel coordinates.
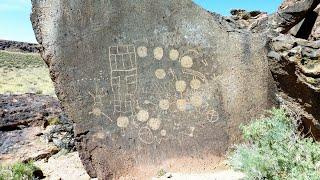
(149, 82)
(295, 65)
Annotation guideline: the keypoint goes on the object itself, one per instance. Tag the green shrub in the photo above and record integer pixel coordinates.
(18, 171)
(274, 149)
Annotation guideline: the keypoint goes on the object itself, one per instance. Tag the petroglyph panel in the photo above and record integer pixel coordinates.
(150, 81)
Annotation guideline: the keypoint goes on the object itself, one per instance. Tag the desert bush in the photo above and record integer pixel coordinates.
(18, 171)
(274, 149)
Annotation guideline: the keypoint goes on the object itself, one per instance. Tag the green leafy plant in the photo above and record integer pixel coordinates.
(274, 149)
(18, 171)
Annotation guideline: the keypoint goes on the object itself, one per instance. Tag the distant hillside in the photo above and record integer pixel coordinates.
(19, 46)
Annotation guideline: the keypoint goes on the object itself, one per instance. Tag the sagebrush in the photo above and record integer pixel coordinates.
(18, 171)
(275, 149)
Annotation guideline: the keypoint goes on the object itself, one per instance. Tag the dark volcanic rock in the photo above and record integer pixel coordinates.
(27, 110)
(291, 12)
(19, 46)
(149, 82)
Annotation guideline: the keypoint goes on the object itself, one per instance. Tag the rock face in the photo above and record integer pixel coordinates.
(151, 83)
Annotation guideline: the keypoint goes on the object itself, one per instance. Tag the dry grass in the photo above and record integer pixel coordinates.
(24, 73)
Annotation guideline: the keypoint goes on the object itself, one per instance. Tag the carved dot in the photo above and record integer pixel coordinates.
(196, 100)
(163, 132)
(195, 84)
(154, 123)
(174, 54)
(142, 51)
(186, 62)
(158, 53)
(181, 104)
(164, 104)
(181, 86)
(160, 73)
(143, 116)
(123, 121)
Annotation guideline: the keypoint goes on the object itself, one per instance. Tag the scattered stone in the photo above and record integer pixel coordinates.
(24, 145)
(63, 166)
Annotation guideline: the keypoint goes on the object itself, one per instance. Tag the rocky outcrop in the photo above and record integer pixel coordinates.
(32, 127)
(294, 62)
(151, 82)
(19, 46)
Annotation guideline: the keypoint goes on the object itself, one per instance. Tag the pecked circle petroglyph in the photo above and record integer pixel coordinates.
(143, 116)
(142, 51)
(158, 53)
(154, 123)
(174, 54)
(160, 73)
(186, 62)
(123, 122)
(195, 84)
(164, 104)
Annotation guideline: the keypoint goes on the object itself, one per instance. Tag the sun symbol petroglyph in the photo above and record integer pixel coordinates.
(158, 53)
(212, 116)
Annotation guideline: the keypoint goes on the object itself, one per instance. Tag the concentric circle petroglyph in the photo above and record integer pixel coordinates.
(181, 104)
(123, 121)
(158, 53)
(181, 86)
(195, 84)
(186, 62)
(196, 100)
(160, 73)
(143, 116)
(142, 51)
(145, 135)
(174, 54)
(154, 123)
(164, 104)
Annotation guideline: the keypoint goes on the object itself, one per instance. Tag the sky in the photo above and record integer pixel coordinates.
(15, 14)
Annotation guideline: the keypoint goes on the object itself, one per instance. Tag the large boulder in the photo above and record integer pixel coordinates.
(151, 84)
